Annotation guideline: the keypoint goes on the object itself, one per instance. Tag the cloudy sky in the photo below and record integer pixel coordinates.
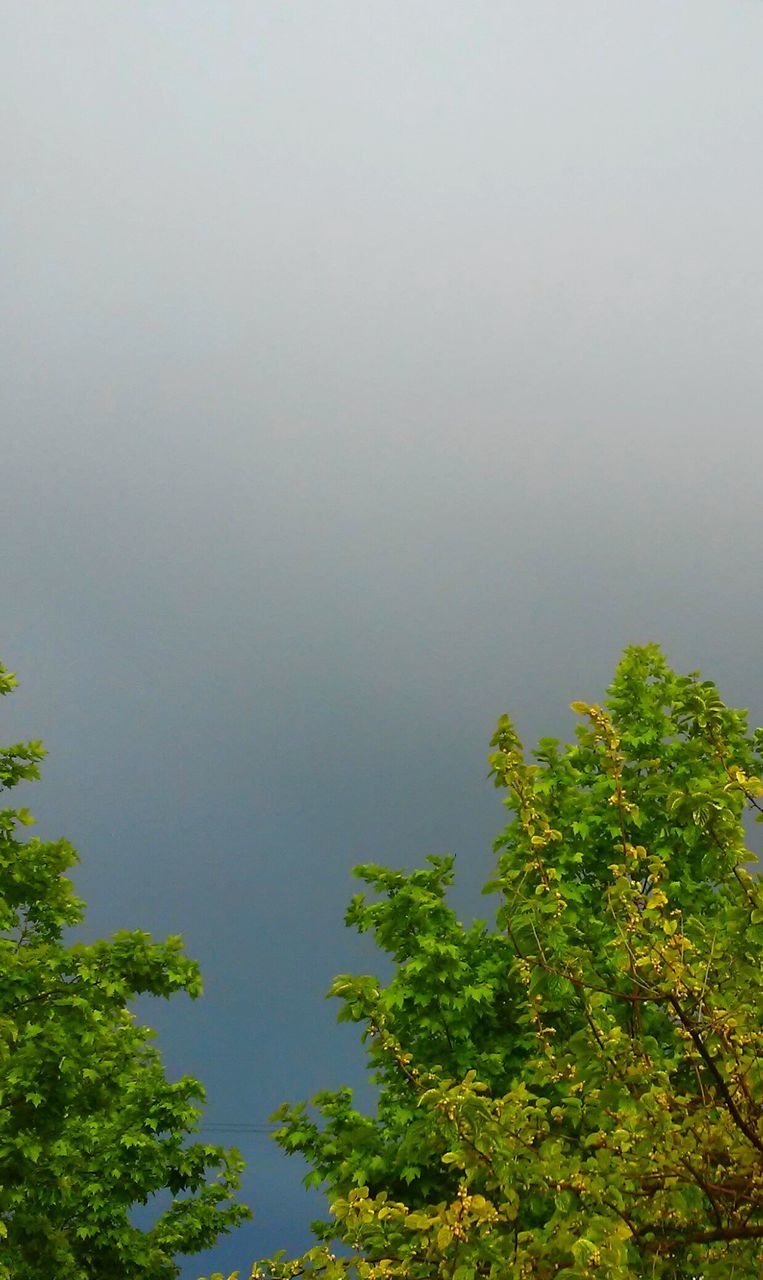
(369, 369)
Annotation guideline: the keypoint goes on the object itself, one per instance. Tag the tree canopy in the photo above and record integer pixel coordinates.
(576, 1090)
(89, 1124)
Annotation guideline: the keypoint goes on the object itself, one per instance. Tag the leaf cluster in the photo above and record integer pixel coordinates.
(89, 1124)
(577, 1090)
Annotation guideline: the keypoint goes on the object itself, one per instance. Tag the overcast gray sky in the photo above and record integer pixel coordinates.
(369, 369)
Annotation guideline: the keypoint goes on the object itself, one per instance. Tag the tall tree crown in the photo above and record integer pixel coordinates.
(578, 1090)
(89, 1124)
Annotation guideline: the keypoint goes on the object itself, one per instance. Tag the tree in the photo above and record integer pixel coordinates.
(89, 1125)
(578, 1090)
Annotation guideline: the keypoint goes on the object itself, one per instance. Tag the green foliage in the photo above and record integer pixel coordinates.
(89, 1125)
(578, 1090)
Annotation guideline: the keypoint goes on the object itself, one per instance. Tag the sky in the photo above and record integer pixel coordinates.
(368, 370)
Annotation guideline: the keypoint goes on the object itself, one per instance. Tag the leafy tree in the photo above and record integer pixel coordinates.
(89, 1125)
(578, 1090)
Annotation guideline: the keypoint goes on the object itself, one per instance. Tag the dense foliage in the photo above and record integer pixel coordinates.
(89, 1125)
(576, 1091)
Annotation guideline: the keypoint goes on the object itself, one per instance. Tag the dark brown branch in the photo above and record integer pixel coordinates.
(662, 1242)
(712, 1067)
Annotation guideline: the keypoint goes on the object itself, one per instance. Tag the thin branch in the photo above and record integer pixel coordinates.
(712, 1067)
